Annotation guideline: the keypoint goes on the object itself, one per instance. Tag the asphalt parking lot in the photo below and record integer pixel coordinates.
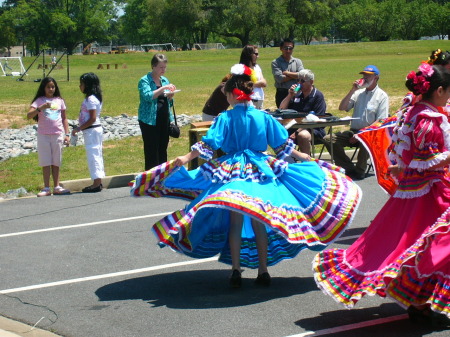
(87, 265)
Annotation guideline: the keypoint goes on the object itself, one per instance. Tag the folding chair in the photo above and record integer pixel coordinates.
(370, 165)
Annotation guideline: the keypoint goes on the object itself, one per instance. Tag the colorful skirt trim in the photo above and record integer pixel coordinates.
(421, 275)
(201, 229)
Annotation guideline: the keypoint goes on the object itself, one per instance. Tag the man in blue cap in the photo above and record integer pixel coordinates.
(369, 104)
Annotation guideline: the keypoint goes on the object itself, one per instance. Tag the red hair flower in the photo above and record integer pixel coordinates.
(411, 75)
(421, 85)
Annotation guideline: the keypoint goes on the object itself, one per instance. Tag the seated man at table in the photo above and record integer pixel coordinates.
(369, 104)
(304, 97)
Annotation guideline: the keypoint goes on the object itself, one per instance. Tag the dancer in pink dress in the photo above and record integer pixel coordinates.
(405, 252)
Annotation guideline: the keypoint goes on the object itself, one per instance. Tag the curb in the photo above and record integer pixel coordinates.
(122, 180)
(116, 181)
(11, 328)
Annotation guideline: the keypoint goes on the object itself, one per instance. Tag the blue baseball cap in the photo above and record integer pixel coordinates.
(370, 70)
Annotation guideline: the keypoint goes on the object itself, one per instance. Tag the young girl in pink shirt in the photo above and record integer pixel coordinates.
(49, 110)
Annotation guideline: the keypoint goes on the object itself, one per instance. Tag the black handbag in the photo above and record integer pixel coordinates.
(174, 130)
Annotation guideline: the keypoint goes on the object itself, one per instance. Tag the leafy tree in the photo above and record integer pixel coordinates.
(273, 24)
(135, 21)
(309, 18)
(367, 19)
(75, 21)
(8, 36)
(439, 20)
(412, 20)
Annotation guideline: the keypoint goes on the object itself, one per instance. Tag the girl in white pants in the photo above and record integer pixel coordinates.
(89, 123)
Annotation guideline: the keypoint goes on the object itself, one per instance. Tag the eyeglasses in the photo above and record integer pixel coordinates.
(288, 48)
(256, 54)
(303, 80)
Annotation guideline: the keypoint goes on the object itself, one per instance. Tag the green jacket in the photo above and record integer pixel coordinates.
(148, 104)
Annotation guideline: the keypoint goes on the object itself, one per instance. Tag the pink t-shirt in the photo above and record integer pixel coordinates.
(50, 121)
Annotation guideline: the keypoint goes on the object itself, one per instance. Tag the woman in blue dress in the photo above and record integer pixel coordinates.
(251, 208)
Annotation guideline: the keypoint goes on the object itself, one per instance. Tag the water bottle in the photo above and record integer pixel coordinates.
(73, 140)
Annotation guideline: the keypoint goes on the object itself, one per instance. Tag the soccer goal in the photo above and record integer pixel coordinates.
(12, 66)
(158, 47)
(205, 46)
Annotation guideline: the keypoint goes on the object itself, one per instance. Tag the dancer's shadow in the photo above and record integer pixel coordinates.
(203, 289)
(363, 322)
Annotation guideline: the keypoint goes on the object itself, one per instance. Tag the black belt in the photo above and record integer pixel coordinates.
(92, 126)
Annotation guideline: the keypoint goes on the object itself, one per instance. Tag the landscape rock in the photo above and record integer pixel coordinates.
(18, 142)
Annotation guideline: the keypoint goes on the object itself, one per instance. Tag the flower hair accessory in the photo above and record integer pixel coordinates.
(421, 85)
(241, 69)
(426, 70)
(434, 57)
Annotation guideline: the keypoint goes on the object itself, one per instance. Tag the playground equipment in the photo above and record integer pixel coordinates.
(47, 68)
(205, 46)
(158, 46)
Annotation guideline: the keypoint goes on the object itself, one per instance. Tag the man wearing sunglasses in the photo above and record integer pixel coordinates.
(285, 70)
(304, 97)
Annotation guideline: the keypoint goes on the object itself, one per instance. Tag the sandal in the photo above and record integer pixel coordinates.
(58, 190)
(45, 192)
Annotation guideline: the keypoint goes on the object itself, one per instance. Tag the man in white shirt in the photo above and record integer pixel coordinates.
(369, 104)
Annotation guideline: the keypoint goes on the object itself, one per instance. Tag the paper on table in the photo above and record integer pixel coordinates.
(290, 124)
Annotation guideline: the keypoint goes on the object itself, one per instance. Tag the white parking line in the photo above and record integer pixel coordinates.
(349, 327)
(103, 276)
(83, 225)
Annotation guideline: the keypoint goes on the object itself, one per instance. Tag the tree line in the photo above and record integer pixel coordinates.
(67, 23)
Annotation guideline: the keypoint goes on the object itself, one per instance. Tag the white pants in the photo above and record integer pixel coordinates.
(258, 104)
(93, 139)
(207, 118)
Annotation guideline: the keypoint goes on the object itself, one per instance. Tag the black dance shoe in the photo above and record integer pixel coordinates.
(264, 279)
(420, 316)
(236, 279)
(92, 189)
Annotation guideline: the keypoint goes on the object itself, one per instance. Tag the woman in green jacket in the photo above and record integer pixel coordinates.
(155, 112)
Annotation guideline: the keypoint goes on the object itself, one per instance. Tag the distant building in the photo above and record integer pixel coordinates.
(15, 51)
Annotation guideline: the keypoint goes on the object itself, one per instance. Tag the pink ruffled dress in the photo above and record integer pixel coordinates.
(405, 252)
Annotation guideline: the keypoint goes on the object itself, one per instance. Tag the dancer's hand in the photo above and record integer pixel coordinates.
(394, 170)
(301, 156)
(181, 160)
(304, 156)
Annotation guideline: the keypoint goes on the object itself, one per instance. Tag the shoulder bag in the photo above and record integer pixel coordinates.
(174, 130)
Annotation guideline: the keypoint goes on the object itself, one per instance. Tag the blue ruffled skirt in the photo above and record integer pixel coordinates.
(308, 205)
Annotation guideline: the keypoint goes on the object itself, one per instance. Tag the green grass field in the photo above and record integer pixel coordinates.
(196, 73)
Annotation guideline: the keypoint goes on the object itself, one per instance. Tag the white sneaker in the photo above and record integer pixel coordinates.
(45, 192)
